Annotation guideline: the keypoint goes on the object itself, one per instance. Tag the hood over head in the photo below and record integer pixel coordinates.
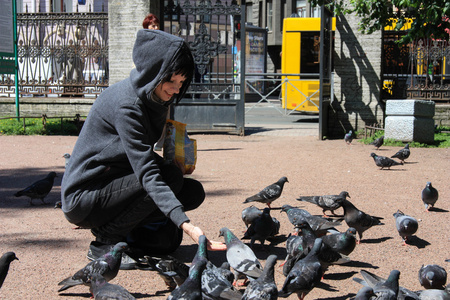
(154, 54)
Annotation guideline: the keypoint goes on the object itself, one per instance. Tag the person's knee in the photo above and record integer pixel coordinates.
(195, 193)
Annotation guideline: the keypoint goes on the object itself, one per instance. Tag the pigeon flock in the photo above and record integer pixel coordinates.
(313, 244)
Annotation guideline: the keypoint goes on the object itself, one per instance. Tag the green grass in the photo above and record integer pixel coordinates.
(34, 126)
(441, 139)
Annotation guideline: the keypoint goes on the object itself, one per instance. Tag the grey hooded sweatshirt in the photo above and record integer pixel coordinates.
(121, 129)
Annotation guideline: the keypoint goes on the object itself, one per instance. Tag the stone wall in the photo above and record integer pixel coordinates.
(442, 115)
(357, 64)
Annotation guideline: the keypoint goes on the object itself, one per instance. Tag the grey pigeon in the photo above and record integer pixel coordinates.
(406, 225)
(107, 265)
(304, 275)
(429, 196)
(269, 193)
(296, 249)
(358, 219)
(365, 293)
(402, 154)
(249, 214)
(217, 284)
(262, 228)
(348, 138)
(66, 159)
(342, 242)
(384, 289)
(318, 224)
(5, 261)
(327, 202)
(172, 271)
(434, 294)
(264, 287)
(373, 280)
(39, 189)
(432, 277)
(103, 290)
(240, 256)
(378, 142)
(384, 162)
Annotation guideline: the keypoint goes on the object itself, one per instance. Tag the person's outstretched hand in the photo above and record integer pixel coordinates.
(195, 232)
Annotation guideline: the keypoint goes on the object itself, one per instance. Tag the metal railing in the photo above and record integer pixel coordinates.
(60, 54)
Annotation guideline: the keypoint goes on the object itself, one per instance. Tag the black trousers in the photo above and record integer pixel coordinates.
(122, 205)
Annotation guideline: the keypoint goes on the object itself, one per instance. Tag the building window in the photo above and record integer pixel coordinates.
(249, 12)
(301, 8)
(269, 16)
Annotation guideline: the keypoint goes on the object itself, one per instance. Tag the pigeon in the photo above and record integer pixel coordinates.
(384, 162)
(406, 225)
(432, 277)
(217, 284)
(240, 256)
(343, 243)
(269, 193)
(348, 138)
(304, 275)
(358, 219)
(429, 196)
(66, 159)
(378, 142)
(191, 289)
(402, 154)
(261, 228)
(58, 204)
(39, 189)
(264, 287)
(103, 290)
(434, 294)
(365, 293)
(373, 280)
(327, 202)
(249, 214)
(318, 224)
(5, 261)
(107, 265)
(172, 271)
(384, 289)
(296, 248)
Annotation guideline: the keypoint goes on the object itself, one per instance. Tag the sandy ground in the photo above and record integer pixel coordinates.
(231, 169)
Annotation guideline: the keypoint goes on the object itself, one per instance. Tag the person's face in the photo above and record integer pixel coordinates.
(153, 26)
(165, 91)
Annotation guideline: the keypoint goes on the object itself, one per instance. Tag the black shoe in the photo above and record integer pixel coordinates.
(97, 249)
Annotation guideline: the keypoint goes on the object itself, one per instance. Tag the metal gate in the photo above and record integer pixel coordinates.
(215, 101)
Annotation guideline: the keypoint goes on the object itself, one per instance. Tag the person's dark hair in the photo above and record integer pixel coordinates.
(150, 19)
(182, 64)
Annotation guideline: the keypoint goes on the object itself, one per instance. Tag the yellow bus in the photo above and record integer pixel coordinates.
(300, 55)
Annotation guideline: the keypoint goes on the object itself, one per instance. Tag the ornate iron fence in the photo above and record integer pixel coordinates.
(60, 54)
(418, 70)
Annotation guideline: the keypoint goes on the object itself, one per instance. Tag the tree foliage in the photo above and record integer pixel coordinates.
(429, 18)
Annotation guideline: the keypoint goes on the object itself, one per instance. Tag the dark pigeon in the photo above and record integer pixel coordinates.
(348, 138)
(5, 261)
(264, 287)
(384, 289)
(304, 275)
(432, 277)
(107, 265)
(39, 189)
(262, 228)
(191, 288)
(296, 249)
(241, 257)
(217, 284)
(429, 196)
(406, 225)
(402, 154)
(365, 293)
(103, 290)
(384, 162)
(358, 219)
(249, 214)
(378, 142)
(327, 202)
(342, 242)
(373, 280)
(172, 271)
(269, 193)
